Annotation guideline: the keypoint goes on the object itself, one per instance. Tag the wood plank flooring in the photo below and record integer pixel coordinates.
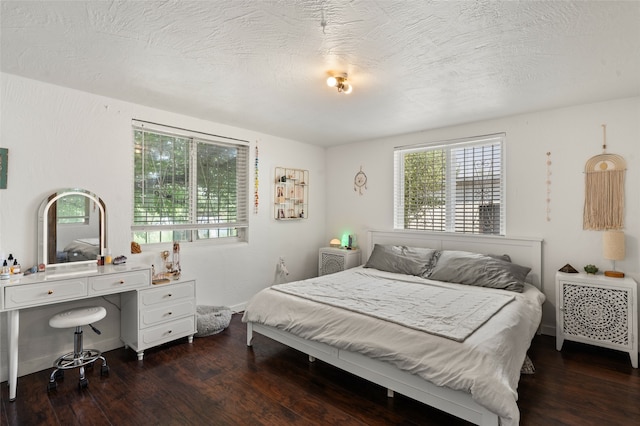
(219, 381)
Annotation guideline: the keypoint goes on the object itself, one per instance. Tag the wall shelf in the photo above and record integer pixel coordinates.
(291, 194)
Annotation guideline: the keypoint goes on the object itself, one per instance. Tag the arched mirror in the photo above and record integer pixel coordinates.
(72, 228)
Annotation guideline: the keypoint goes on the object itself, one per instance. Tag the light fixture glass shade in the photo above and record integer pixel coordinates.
(613, 245)
(332, 82)
(347, 88)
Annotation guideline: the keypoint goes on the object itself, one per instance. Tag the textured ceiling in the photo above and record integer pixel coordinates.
(262, 65)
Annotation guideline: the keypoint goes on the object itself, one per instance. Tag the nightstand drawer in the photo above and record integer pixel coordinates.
(149, 317)
(167, 293)
(111, 283)
(21, 296)
(169, 331)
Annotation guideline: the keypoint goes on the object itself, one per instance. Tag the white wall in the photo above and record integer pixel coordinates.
(571, 135)
(62, 138)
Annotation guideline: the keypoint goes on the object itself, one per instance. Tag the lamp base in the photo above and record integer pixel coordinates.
(614, 274)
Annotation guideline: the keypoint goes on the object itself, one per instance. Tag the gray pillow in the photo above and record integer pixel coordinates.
(478, 270)
(401, 259)
(504, 257)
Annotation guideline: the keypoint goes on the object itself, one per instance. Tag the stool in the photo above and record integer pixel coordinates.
(80, 356)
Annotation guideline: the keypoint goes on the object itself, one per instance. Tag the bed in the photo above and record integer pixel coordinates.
(80, 249)
(468, 366)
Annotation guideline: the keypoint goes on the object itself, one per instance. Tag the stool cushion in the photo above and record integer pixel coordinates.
(212, 319)
(78, 317)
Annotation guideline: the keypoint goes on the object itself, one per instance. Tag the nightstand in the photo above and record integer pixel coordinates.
(597, 310)
(332, 260)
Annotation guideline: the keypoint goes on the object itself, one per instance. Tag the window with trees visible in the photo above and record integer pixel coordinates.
(73, 209)
(453, 186)
(188, 186)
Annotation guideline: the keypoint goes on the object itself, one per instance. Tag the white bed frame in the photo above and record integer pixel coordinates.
(524, 251)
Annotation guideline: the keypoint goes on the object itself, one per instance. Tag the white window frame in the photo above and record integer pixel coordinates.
(450, 180)
(191, 229)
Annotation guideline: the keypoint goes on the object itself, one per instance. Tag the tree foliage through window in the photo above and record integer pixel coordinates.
(188, 188)
(456, 186)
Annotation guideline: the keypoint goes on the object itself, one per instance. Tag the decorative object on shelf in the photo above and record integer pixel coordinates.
(613, 249)
(349, 241)
(135, 248)
(119, 260)
(159, 278)
(339, 81)
(360, 181)
(568, 269)
(548, 182)
(591, 269)
(291, 194)
(255, 183)
(4, 161)
(604, 190)
(177, 270)
(335, 243)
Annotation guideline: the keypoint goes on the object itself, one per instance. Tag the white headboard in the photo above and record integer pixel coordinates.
(524, 251)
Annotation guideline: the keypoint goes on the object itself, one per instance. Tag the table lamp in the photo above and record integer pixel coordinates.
(613, 249)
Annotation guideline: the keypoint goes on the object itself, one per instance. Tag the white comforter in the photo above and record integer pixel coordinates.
(487, 364)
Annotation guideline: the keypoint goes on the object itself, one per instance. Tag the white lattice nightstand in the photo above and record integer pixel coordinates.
(332, 260)
(597, 310)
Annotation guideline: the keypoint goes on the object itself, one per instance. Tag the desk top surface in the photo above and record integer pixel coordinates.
(61, 274)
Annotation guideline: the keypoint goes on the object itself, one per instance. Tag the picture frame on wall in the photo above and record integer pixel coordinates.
(4, 160)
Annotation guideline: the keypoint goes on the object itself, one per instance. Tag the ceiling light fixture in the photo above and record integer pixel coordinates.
(340, 82)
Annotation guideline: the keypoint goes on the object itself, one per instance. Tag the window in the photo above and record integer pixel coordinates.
(188, 186)
(73, 209)
(453, 186)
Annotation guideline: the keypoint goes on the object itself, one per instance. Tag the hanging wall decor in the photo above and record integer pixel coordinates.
(548, 186)
(255, 183)
(4, 160)
(360, 181)
(291, 194)
(604, 190)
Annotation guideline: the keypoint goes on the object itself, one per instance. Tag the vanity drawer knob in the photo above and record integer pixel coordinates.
(50, 292)
(169, 295)
(169, 331)
(170, 313)
(121, 281)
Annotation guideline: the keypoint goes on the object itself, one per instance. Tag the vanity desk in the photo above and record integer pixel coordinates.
(129, 281)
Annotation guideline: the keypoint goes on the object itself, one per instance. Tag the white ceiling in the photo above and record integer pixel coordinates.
(262, 65)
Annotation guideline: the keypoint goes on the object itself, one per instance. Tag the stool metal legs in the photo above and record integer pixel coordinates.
(77, 359)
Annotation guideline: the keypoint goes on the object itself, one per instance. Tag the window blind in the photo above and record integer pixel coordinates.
(188, 185)
(454, 186)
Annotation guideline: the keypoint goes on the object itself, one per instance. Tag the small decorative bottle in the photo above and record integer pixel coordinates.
(4, 273)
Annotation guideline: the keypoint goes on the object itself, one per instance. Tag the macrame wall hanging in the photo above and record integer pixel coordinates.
(604, 190)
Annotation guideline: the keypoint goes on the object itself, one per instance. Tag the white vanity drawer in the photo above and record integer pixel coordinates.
(149, 317)
(169, 331)
(111, 283)
(168, 293)
(20, 296)
(158, 314)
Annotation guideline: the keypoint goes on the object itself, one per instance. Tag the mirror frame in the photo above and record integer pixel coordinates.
(45, 225)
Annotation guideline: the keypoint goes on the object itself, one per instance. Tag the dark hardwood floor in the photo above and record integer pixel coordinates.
(219, 381)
